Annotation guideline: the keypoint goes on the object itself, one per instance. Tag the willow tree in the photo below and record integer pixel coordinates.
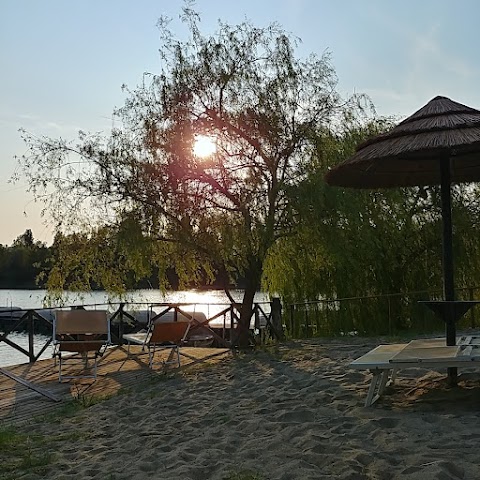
(244, 88)
(360, 243)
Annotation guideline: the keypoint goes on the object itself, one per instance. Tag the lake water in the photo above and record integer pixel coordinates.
(209, 302)
(10, 356)
(35, 298)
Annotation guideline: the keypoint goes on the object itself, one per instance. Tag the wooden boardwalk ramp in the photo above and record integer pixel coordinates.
(30, 390)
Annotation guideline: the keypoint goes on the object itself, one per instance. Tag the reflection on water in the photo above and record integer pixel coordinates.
(209, 302)
(35, 298)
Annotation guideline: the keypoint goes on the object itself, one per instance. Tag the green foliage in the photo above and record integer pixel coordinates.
(365, 243)
(22, 263)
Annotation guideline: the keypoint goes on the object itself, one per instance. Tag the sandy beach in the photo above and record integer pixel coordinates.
(295, 411)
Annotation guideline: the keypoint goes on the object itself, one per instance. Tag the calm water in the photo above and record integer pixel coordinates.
(10, 356)
(206, 301)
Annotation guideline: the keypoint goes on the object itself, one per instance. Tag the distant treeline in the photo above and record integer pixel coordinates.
(22, 262)
(26, 264)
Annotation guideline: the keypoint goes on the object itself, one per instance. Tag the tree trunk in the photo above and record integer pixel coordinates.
(251, 287)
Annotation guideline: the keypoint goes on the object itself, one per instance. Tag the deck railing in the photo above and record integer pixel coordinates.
(28, 321)
(389, 314)
(127, 316)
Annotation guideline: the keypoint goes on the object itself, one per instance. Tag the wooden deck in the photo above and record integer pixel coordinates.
(116, 370)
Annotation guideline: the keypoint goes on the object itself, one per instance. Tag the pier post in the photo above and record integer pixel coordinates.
(120, 324)
(31, 352)
(276, 308)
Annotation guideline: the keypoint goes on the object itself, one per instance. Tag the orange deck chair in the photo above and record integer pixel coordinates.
(167, 335)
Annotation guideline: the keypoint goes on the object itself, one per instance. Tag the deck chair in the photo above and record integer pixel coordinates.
(80, 335)
(199, 335)
(167, 336)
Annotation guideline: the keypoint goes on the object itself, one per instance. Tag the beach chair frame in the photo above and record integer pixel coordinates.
(80, 335)
(167, 336)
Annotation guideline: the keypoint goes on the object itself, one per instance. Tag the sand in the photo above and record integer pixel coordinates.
(293, 412)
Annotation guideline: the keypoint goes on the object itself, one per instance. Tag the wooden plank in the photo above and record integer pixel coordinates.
(30, 385)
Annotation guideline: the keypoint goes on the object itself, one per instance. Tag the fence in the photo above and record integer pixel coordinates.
(372, 315)
(389, 314)
(127, 317)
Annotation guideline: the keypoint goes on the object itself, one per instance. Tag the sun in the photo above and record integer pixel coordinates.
(204, 146)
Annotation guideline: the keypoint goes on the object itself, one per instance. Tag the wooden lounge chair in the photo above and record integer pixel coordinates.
(81, 335)
(385, 360)
(161, 336)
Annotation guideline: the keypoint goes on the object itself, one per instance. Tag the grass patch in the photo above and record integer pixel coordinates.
(83, 400)
(9, 438)
(22, 453)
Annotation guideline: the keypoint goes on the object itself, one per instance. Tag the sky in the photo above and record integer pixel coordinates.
(63, 63)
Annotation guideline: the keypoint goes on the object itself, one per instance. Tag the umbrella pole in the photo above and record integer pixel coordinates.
(448, 283)
(448, 280)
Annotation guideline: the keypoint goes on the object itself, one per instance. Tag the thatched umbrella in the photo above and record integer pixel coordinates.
(438, 144)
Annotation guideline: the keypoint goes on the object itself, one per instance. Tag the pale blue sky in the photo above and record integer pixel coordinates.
(63, 62)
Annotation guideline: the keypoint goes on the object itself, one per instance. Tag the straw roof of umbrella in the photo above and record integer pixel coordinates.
(409, 154)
